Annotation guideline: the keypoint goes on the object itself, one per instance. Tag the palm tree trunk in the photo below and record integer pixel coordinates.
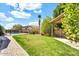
(39, 26)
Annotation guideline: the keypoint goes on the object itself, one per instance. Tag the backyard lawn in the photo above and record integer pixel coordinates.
(37, 45)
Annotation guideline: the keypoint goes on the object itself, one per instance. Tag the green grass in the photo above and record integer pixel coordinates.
(37, 45)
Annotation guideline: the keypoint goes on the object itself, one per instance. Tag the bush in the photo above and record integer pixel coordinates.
(46, 26)
(58, 10)
(33, 30)
(1, 31)
(71, 21)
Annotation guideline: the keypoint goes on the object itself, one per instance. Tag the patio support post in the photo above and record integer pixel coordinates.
(52, 29)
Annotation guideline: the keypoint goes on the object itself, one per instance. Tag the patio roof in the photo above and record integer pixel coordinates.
(58, 19)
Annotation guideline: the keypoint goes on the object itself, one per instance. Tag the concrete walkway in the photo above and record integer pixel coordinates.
(13, 49)
(66, 41)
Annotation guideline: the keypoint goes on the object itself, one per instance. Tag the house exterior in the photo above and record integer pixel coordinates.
(56, 25)
(25, 29)
(12, 31)
(30, 29)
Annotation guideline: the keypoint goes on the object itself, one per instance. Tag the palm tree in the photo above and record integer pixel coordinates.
(39, 16)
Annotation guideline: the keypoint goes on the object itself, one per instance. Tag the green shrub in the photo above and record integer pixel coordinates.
(71, 21)
(46, 26)
(2, 31)
(58, 10)
(33, 30)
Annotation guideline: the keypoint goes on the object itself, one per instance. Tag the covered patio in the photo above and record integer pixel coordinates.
(56, 25)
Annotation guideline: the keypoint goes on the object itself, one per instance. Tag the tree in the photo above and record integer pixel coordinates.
(58, 10)
(33, 30)
(1, 30)
(17, 27)
(71, 21)
(46, 26)
(39, 16)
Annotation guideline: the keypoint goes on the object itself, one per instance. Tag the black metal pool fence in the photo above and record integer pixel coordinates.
(4, 42)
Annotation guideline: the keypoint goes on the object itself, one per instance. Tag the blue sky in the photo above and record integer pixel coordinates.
(24, 14)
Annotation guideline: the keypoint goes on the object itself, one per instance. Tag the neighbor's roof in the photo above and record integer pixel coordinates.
(57, 19)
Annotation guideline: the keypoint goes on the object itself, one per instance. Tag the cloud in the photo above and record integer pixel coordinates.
(30, 6)
(18, 14)
(4, 18)
(25, 6)
(37, 11)
(15, 5)
(10, 19)
(6, 21)
(9, 25)
(33, 23)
